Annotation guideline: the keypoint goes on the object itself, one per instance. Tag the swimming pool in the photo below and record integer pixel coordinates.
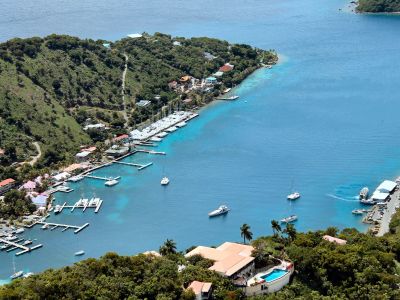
(275, 274)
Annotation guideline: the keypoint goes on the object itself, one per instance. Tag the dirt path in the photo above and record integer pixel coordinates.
(36, 157)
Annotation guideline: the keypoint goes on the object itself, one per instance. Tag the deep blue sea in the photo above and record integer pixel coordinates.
(325, 119)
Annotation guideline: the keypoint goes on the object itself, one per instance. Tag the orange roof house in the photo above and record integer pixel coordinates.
(226, 68)
(185, 78)
(334, 240)
(229, 258)
(202, 290)
(6, 185)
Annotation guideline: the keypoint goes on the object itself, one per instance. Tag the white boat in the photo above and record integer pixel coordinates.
(294, 196)
(79, 253)
(17, 275)
(111, 182)
(57, 209)
(357, 211)
(45, 226)
(162, 134)
(19, 230)
(172, 129)
(156, 139)
(227, 90)
(27, 242)
(165, 181)
(367, 201)
(234, 97)
(289, 219)
(76, 178)
(223, 209)
(181, 124)
(364, 193)
(11, 238)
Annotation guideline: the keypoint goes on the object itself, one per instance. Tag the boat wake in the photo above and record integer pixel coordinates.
(343, 199)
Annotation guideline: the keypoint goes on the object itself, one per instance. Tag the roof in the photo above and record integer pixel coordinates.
(229, 257)
(379, 195)
(185, 78)
(61, 176)
(89, 149)
(211, 78)
(73, 167)
(120, 137)
(226, 68)
(83, 154)
(29, 185)
(334, 240)
(1, 151)
(143, 103)
(7, 182)
(40, 200)
(387, 186)
(218, 74)
(134, 35)
(199, 287)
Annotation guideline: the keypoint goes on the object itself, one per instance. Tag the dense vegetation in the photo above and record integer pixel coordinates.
(15, 204)
(365, 268)
(378, 6)
(49, 87)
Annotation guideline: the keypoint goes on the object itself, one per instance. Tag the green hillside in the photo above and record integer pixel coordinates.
(50, 86)
(378, 6)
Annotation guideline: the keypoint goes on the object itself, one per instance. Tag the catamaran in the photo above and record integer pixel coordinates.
(223, 209)
(289, 219)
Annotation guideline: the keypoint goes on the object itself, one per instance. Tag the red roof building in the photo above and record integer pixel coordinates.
(226, 68)
(120, 138)
(6, 185)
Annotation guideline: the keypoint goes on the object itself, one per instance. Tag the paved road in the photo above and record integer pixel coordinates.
(389, 211)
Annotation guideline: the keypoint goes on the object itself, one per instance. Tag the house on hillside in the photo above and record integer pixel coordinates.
(29, 186)
(231, 260)
(143, 103)
(202, 290)
(6, 185)
(226, 68)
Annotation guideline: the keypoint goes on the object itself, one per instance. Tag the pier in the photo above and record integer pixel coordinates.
(16, 245)
(139, 166)
(102, 178)
(151, 151)
(46, 225)
(83, 206)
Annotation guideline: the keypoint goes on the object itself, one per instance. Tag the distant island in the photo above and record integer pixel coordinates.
(378, 6)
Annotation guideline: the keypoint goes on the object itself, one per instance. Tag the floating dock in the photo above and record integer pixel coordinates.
(84, 206)
(102, 178)
(151, 151)
(139, 166)
(15, 245)
(65, 227)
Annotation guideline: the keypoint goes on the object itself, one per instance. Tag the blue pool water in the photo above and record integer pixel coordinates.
(326, 118)
(275, 274)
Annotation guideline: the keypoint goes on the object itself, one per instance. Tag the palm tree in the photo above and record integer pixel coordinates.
(246, 233)
(275, 226)
(169, 247)
(290, 231)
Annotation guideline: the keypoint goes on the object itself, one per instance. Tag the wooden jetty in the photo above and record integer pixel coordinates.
(15, 245)
(139, 166)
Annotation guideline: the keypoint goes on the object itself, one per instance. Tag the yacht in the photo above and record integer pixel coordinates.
(165, 181)
(181, 124)
(111, 182)
(57, 209)
(357, 211)
(223, 209)
(79, 253)
(293, 196)
(172, 129)
(76, 178)
(156, 139)
(364, 193)
(17, 275)
(19, 230)
(289, 219)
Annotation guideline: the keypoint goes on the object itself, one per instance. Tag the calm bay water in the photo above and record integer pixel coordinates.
(326, 119)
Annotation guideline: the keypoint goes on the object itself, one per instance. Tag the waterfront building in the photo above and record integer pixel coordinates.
(123, 138)
(202, 290)
(29, 186)
(6, 185)
(40, 200)
(231, 260)
(334, 240)
(82, 156)
(116, 151)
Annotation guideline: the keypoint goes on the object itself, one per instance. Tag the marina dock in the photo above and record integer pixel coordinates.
(84, 206)
(65, 227)
(151, 151)
(102, 178)
(16, 245)
(139, 166)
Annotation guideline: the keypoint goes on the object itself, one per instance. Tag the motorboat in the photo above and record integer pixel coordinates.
(234, 97)
(294, 196)
(181, 124)
(11, 238)
(171, 129)
(111, 182)
(223, 209)
(79, 253)
(17, 275)
(19, 230)
(165, 181)
(57, 209)
(357, 211)
(76, 178)
(45, 226)
(156, 139)
(367, 201)
(289, 219)
(27, 242)
(364, 193)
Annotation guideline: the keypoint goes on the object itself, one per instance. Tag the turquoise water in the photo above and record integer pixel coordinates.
(275, 274)
(326, 118)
